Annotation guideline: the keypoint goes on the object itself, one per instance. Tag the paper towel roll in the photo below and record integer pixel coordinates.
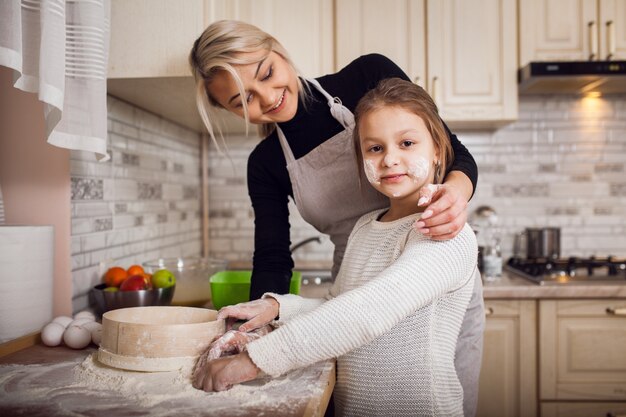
(26, 279)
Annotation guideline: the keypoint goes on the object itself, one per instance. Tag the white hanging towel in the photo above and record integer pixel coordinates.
(58, 49)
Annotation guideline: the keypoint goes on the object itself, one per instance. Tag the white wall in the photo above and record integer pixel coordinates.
(34, 177)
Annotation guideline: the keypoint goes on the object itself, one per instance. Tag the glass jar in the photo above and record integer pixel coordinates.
(492, 260)
(192, 277)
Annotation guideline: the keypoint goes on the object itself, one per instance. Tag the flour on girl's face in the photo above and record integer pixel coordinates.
(418, 169)
(371, 172)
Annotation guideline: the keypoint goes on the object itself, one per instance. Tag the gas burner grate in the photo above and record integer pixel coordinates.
(570, 270)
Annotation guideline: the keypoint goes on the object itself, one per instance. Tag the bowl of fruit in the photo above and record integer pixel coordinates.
(133, 287)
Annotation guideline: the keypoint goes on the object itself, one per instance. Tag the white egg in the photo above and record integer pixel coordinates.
(85, 314)
(77, 337)
(90, 325)
(80, 322)
(96, 332)
(63, 321)
(52, 334)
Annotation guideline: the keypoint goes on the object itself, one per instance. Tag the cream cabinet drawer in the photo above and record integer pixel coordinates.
(582, 350)
(591, 308)
(563, 409)
(502, 308)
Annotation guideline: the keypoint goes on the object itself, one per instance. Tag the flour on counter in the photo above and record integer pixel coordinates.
(82, 387)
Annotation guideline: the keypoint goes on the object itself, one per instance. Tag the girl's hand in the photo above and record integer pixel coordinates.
(445, 214)
(257, 312)
(231, 343)
(221, 374)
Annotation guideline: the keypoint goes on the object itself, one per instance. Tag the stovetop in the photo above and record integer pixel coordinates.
(573, 270)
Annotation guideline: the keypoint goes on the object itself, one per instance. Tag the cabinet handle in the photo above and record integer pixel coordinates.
(433, 89)
(593, 42)
(489, 312)
(620, 311)
(610, 39)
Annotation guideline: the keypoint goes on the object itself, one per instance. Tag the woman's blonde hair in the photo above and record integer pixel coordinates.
(413, 98)
(219, 48)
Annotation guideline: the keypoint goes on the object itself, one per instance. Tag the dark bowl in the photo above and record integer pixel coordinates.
(107, 300)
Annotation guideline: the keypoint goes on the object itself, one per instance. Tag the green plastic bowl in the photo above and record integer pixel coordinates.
(233, 287)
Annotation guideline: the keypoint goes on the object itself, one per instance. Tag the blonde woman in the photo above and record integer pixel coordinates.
(306, 154)
(394, 313)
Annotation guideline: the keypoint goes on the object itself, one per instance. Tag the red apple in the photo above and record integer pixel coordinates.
(134, 283)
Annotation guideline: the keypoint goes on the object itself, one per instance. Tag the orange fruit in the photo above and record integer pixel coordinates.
(114, 276)
(135, 270)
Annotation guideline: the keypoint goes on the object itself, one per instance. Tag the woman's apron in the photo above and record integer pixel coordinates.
(325, 182)
(331, 196)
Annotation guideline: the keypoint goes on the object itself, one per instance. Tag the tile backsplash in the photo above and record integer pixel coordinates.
(561, 164)
(142, 204)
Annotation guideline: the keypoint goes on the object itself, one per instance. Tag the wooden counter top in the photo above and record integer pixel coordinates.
(513, 287)
(42, 381)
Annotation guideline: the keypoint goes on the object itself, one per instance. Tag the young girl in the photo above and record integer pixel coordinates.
(394, 313)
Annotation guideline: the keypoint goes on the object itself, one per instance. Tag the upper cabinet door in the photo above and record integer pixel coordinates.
(572, 30)
(304, 28)
(394, 29)
(470, 73)
(153, 37)
(612, 26)
(472, 63)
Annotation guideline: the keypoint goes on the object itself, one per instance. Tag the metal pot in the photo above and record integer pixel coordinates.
(541, 242)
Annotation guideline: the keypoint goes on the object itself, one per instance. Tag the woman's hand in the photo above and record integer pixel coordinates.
(445, 214)
(257, 312)
(221, 374)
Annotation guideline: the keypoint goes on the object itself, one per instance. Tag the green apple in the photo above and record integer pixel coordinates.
(111, 289)
(163, 279)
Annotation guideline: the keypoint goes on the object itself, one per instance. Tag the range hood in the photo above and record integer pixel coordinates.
(576, 77)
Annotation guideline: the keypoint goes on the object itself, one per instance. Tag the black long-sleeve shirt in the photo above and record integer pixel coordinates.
(269, 185)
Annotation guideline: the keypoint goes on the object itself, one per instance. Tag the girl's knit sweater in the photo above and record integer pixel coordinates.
(391, 319)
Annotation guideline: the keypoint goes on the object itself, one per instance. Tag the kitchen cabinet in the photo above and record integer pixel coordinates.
(152, 38)
(470, 73)
(304, 28)
(581, 352)
(572, 30)
(575, 409)
(149, 46)
(396, 31)
(508, 373)
(151, 41)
